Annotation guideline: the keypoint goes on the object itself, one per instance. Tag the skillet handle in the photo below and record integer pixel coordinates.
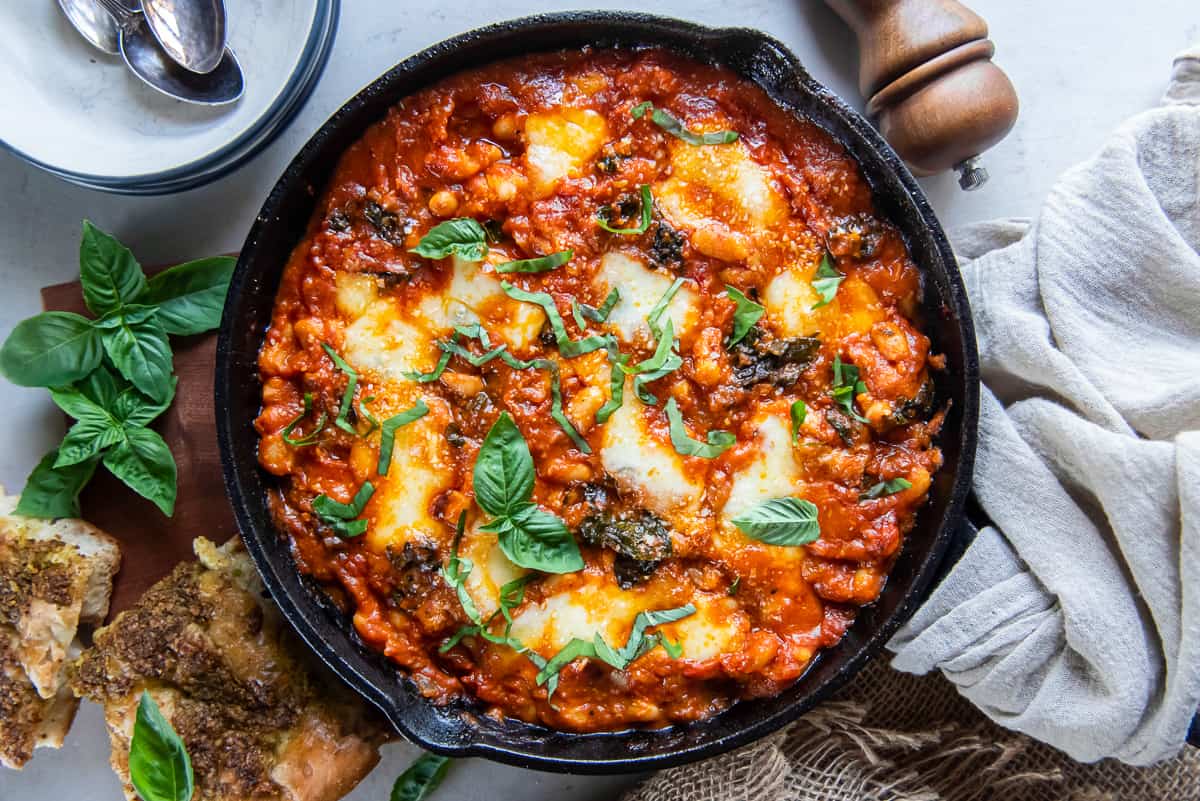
(973, 520)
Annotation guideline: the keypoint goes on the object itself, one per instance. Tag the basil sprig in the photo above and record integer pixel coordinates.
(718, 441)
(462, 237)
(538, 265)
(846, 385)
(826, 281)
(745, 315)
(312, 436)
(798, 412)
(884, 488)
(677, 129)
(159, 766)
(387, 436)
(639, 643)
(421, 778)
(504, 477)
(605, 214)
(341, 517)
(112, 373)
(782, 521)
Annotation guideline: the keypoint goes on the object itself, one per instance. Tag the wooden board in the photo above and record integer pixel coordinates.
(151, 543)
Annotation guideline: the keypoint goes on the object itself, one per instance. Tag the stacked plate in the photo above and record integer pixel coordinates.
(80, 114)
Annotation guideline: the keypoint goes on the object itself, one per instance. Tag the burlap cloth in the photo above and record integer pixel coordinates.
(893, 736)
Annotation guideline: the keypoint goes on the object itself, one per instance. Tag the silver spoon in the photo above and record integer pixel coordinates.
(146, 57)
(94, 24)
(191, 31)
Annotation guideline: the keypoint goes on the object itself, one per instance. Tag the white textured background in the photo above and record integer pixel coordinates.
(1080, 67)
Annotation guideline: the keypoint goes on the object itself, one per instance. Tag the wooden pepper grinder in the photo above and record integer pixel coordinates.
(926, 71)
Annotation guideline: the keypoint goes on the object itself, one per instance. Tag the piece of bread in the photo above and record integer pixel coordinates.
(54, 577)
(261, 719)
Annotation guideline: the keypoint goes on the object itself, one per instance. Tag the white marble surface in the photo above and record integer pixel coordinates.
(1080, 67)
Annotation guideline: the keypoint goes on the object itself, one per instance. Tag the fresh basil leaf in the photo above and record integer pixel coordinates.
(101, 386)
(387, 437)
(617, 364)
(461, 237)
(639, 643)
(583, 312)
(95, 428)
(110, 275)
(190, 297)
(568, 654)
(135, 410)
(539, 265)
(310, 438)
(827, 280)
(846, 386)
(539, 540)
(421, 778)
(504, 470)
(144, 462)
(51, 349)
(718, 441)
(745, 315)
(605, 212)
(885, 488)
(159, 766)
(569, 348)
(53, 493)
(798, 412)
(677, 129)
(782, 521)
(130, 313)
(141, 353)
(341, 516)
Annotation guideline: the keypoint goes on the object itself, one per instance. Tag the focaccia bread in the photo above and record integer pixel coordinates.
(260, 719)
(54, 577)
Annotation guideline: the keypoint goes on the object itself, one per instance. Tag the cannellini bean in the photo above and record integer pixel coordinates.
(443, 203)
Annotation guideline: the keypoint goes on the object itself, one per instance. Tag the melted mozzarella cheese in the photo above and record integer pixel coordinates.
(581, 612)
(474, 295)
(717, 627)
(772, 473)
(640, 289)
(719, 185)
(560, 142)
(490, 569)
(422, 468)
(789, 299)
(641, 463)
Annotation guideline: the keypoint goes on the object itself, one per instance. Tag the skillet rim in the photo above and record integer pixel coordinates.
(523, 744)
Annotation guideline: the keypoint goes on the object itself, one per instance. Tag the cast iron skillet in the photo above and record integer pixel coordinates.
(460, 730)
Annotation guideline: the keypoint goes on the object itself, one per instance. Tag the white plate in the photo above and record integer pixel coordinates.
(81, 114)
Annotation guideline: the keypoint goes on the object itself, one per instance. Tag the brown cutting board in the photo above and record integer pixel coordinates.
(151, 543)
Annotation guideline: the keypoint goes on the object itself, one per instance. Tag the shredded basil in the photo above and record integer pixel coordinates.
(342, 421)
(341, 516)
(718, 441)
(539, 265)
(462, 237)
(885, 488)
(605, 213)
(677, 129)
(638, 644)
(744, 317)
(782, 521)
(569, 348)
(432, 375)
(664, 361)
(387, 437)
(660, 307)
(311, 438)
(798, 412)
(826, 281)
(583, 312)
(846, 385)
(617, 364)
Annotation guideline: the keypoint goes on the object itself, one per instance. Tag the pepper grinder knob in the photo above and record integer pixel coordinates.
(925, 68)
